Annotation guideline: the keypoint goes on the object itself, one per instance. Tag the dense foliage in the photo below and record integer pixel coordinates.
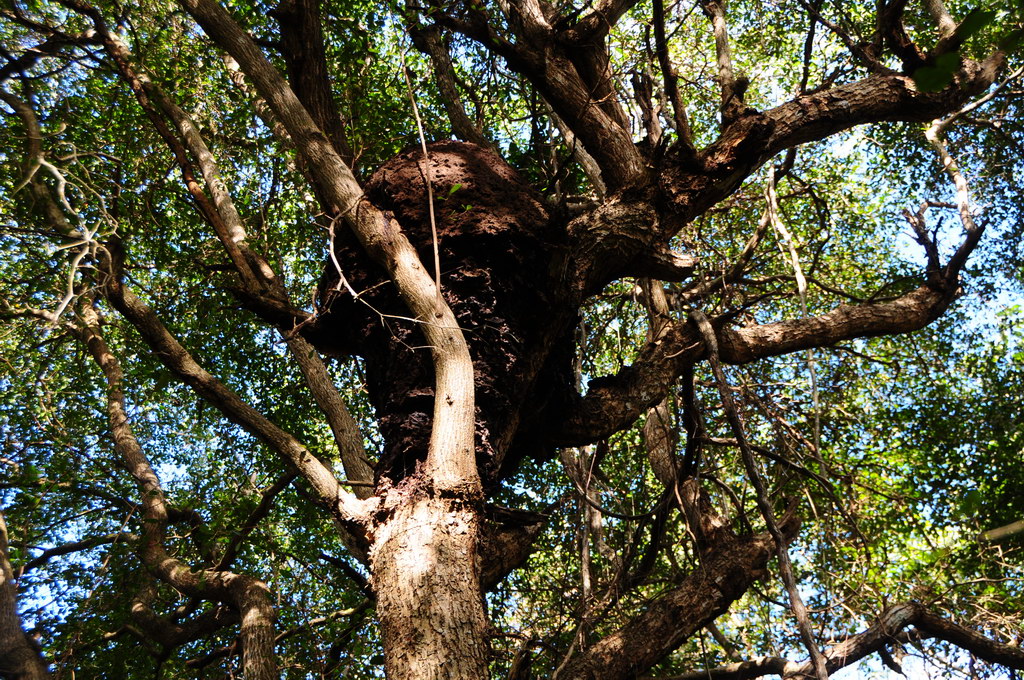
(896, 452)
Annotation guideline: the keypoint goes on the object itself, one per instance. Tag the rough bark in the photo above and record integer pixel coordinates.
(19, 658)
(426, 577)
(729, 565)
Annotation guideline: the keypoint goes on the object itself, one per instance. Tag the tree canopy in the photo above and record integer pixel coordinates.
(511, 338)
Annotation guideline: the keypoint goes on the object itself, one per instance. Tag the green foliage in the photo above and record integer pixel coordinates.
(921, 436)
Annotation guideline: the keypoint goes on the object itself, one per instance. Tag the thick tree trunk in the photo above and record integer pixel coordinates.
(426, 576)
(18, 659)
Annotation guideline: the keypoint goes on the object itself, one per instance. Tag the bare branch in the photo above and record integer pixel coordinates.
(940, 15)
(249, 595)
(668, 74)
(733, 87)
(428, 40)
(75, 546)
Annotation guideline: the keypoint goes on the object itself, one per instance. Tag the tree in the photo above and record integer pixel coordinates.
(266, 374)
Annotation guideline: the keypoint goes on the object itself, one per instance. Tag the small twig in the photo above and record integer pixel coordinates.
(801, 289)
(761, 496)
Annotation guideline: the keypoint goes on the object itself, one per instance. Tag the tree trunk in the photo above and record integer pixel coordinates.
(18, 658)
(425, 573)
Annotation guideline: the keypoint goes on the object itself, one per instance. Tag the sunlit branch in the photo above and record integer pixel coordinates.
(451, 447)
(940, 15)
(249, 595)
(732, 86)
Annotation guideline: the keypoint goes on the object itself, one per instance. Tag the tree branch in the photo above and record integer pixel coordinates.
(427, 40)
(613, 403)
(729, 566)
(302, 45)
(733, 87)
(876, 638)
(450, 458)
(249, 595)
(73, 547)
(258, 278)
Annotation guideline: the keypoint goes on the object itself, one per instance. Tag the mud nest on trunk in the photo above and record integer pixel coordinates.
(499, 249)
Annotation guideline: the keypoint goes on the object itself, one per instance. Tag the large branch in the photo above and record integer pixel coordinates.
(451, 461)
(613, 403)
(249, 595)
(729, 566)
(877, 638)
(609, 241)
(874, 99)
(757, 136)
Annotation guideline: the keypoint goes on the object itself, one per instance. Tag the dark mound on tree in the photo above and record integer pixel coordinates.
(498, 247)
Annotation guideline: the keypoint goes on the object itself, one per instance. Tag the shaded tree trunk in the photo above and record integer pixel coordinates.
(18, 657)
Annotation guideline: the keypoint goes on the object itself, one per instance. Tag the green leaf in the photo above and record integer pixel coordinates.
(971, 503)
(937, 77)
(974, 22)
(1012, 41)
